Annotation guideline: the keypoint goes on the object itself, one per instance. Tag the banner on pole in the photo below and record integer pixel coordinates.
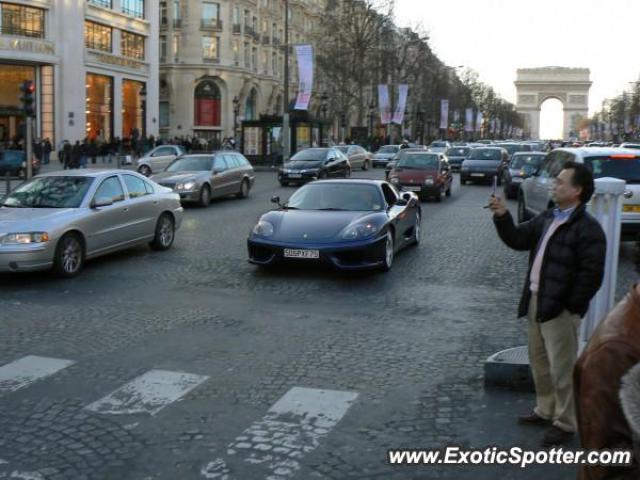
(468, 121)
(398, 115)
(383, 104)
(304, 54)
(479, 120)
(444, 114)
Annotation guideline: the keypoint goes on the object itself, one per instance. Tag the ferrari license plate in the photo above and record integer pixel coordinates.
(298, 253)
(413, 189)
(631, 208)
(477, 174)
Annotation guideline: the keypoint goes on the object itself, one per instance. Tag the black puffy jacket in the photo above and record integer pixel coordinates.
(573, 262)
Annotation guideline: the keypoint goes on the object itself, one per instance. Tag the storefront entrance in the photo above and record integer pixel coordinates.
(11, 119)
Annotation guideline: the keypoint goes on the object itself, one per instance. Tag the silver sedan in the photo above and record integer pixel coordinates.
(61, 219)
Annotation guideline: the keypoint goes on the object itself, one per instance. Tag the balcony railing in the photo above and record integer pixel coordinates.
(211, 59)
(211, 24)
(250, 31)
(237, 28)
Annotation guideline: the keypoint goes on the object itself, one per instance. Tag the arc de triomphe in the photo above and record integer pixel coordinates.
(569, 85)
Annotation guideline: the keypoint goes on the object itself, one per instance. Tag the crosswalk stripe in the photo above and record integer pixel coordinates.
(292, 428)
(26, 370)
(148, 393)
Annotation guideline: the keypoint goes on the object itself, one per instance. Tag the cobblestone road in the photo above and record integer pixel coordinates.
(402, 351)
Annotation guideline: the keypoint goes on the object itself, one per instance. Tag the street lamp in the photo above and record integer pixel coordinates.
(420, 122)
(286, 148)
(372, 112)
(143, 102)
(236, 111)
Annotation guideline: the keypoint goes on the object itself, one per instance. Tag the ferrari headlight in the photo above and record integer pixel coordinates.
(25, 238)
(362, 230)
(263, 228)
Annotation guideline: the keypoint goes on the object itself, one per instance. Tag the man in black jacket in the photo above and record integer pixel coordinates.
(566, 264)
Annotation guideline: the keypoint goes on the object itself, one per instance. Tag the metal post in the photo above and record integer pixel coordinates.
(7, 179)
(286, 148)
(28, 148)
(606, 207)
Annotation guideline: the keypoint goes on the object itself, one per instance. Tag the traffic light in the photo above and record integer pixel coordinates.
(28, 89)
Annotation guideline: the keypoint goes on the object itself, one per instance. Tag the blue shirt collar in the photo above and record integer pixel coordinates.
(562, 214)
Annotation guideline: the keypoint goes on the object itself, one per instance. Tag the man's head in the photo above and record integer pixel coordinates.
(573, 185)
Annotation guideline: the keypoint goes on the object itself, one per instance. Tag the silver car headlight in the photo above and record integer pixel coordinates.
(394, 180)
(187, 186)
(361, 230)
(428, 181)
(263, 228)
(25, 238)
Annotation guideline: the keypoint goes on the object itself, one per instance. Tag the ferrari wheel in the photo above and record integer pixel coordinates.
(388, 252)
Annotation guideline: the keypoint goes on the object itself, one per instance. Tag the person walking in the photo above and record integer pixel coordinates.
(46, 151)
(566, 266)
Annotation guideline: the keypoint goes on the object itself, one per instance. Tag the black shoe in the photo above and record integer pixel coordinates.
(556, 436)
(534, 419)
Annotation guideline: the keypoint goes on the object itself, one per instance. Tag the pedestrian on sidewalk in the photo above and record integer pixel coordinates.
(567, 249)
(613, 350)
(46, 151)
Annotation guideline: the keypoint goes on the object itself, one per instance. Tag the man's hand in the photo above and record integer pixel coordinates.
(497, 206)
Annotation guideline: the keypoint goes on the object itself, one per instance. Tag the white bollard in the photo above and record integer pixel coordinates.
(606, 207)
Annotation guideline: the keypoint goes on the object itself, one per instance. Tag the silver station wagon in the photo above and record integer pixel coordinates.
(61, 219)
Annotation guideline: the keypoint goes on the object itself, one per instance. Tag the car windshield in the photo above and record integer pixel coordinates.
(458, 152)
(520, 161)
(50, 192)
(418, 161)
(191, 164)
(310, 155)
(484, 154)
(389, 149)
(623, 166)
(337, 196)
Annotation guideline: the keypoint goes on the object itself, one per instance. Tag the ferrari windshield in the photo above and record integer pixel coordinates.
(337, 196)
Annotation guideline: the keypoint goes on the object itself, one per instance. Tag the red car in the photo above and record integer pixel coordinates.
(428, 174)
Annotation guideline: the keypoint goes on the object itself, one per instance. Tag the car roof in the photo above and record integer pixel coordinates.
(85, 172)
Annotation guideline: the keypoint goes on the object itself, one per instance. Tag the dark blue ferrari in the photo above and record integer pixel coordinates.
(349, 224)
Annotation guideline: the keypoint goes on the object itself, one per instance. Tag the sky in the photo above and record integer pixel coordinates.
(496, 37)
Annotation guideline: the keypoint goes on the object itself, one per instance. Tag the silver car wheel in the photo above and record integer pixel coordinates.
(71, 255)
(166, 232)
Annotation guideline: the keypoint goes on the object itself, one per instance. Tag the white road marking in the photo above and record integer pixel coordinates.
(25, 371)
(292, 428)
(149, 393)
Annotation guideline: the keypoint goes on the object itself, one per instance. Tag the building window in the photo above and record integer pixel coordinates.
(254, 59)
(236, 20)
(207, 104)
(99, 107)
(163, 48)
(21, 21)
(164, 115)
(102, 3)
(236, 52)
(265, 62)
(250, 106)
(274, 63)
(132, 45)
(247, 55)
(97, 37)
(210, 14)
(135, 8)
(132, 109)
(211, 48)
(176, 46)
(164, 20)
(177, 22)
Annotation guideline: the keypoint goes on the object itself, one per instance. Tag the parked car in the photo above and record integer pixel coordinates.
(59, 220)
(439, 146)
(347, 224)
(384, 154)
(159, 158)
(521, 166)
(313, 164)
(635, 146)
(392, 163)
(535, 194)
(13, 162)
(456, 155)
(199, 178)
(483, 164)
(426, 173)
(358, 156)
